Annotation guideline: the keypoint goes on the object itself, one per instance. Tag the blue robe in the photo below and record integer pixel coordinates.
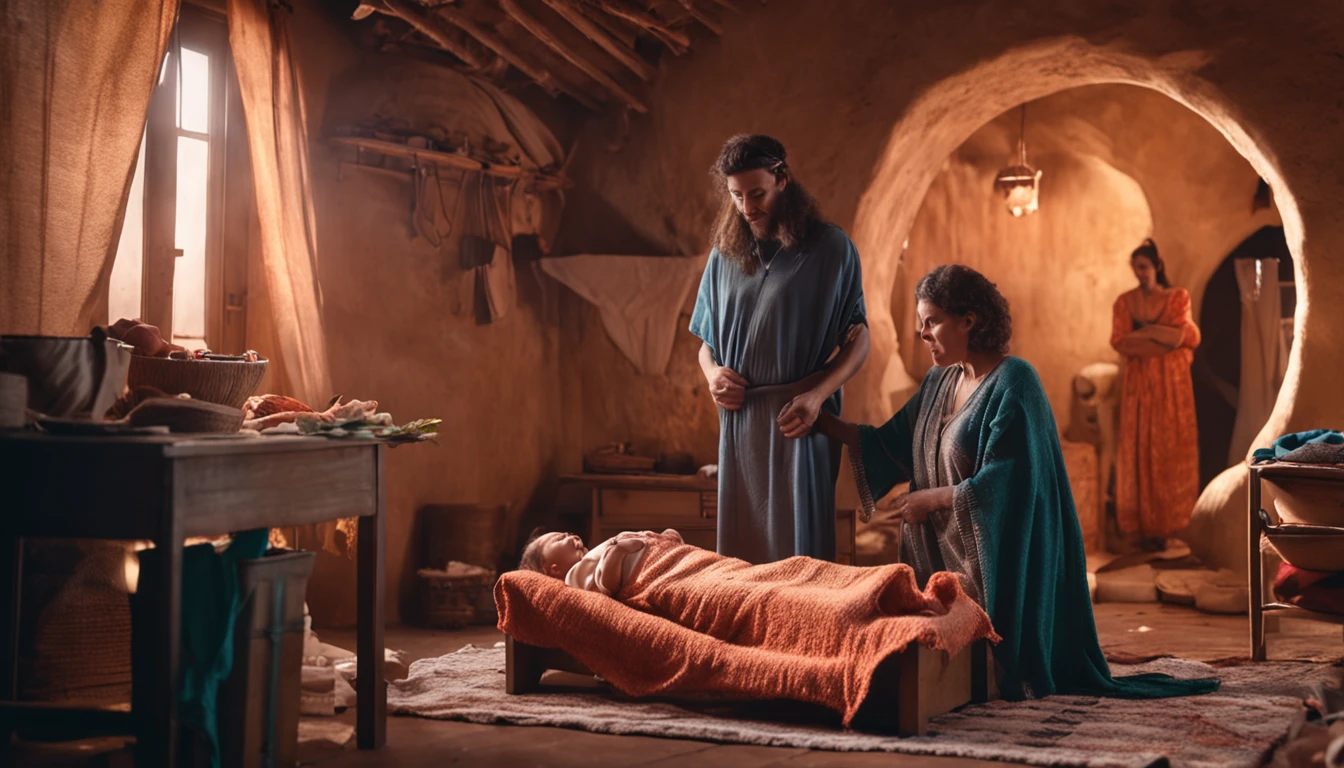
(775, 328)
(1023, 530)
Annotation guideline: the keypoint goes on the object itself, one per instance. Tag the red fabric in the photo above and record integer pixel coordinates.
(1157, 467)
(1313, 590)
(694, 621)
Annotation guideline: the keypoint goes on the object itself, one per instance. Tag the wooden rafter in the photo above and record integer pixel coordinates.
(675, 40)
(570, 12)
(702, 16)
(492, 41)
(618, 28)
(590, 48)
(729, 5)
(431, 27)
(545, 35)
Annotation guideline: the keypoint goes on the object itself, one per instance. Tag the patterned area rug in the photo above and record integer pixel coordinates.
(1237, 726)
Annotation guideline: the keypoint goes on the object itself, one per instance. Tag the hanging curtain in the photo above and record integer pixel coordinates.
(75, 82)
(639, 297)
(1261, 338)
(277, 133)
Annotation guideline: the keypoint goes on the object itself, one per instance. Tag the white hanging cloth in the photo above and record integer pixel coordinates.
(1261, 362)
(639, 297)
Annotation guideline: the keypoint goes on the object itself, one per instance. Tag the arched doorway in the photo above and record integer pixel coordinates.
(947, 113)
(950, 112)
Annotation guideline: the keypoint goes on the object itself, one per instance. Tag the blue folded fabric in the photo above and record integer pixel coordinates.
(1289, 443)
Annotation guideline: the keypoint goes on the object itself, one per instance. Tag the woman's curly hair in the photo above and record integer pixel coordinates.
(959, 290)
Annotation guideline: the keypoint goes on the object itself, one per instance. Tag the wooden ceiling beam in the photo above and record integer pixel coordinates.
(545, 35)
(702, 16)
(618, 28)
(569, 11)
(492, 41)
(433, 28)
(675, 40)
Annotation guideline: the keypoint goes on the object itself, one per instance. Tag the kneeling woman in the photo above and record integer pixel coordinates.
(989, 498)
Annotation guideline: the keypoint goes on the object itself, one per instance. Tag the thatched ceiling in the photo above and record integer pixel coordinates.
(597, 52)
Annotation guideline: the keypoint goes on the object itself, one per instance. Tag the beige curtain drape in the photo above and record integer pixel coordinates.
(75, 81)
(1262, 365)
(639, 297)
(277, 132)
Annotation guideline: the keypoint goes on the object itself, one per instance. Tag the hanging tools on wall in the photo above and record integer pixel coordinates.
(428, 207)
(487, 259)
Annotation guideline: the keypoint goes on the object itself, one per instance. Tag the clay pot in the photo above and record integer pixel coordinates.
(68, 377)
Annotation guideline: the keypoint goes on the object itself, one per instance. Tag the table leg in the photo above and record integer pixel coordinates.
(11, 569)
(370, 688)
(1255, 585)
(154, 694)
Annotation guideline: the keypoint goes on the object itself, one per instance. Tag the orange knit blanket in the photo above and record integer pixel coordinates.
(693, 621)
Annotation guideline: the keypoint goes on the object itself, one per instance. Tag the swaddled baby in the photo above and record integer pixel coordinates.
(603, 569)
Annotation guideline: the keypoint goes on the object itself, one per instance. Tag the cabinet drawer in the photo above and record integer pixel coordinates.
(652, 510)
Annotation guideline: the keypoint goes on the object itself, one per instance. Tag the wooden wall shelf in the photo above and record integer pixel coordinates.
(538, 180)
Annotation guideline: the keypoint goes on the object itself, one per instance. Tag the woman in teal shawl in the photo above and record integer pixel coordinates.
(989, 497)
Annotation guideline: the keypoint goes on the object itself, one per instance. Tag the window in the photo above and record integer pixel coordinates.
(173, 266)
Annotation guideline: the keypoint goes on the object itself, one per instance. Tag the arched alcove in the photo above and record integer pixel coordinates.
(950, 111)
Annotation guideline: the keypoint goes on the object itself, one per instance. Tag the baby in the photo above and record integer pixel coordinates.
(603, 569)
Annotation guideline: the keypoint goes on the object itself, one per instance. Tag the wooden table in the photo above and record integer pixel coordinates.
(166, 488)
(1259, 609)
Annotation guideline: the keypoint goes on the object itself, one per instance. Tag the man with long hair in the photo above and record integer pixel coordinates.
(781, 314)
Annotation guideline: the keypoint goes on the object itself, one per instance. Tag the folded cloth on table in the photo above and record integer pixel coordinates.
(1287, 448)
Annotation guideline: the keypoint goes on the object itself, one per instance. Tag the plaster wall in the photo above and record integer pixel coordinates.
(871, 98)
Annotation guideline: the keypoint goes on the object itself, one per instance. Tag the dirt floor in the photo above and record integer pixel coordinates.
(1129, 632)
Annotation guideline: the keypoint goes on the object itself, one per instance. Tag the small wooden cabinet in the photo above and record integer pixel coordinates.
(687, 503)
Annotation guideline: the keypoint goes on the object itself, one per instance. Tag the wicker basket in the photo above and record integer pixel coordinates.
(226, 382)
(449, 602)
(186, 415)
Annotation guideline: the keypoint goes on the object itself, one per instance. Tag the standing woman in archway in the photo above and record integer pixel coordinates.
(1157, 462)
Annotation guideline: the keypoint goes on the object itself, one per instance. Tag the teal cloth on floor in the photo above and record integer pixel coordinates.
(1026, 534)
(211, 603)
(1291, 442)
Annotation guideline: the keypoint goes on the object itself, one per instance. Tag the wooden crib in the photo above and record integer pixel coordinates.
(918, 683)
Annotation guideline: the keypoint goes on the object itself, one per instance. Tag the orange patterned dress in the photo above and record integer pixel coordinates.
(1157, 460)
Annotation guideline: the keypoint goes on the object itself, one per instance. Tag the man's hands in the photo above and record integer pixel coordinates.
(727, 387)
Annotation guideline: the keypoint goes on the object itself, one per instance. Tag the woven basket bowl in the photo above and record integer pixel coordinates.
(186, 415)
(1311, 553)
(226, 382)
(1308, 501)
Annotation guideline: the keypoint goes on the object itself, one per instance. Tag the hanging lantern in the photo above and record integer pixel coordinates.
(1020, 184)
